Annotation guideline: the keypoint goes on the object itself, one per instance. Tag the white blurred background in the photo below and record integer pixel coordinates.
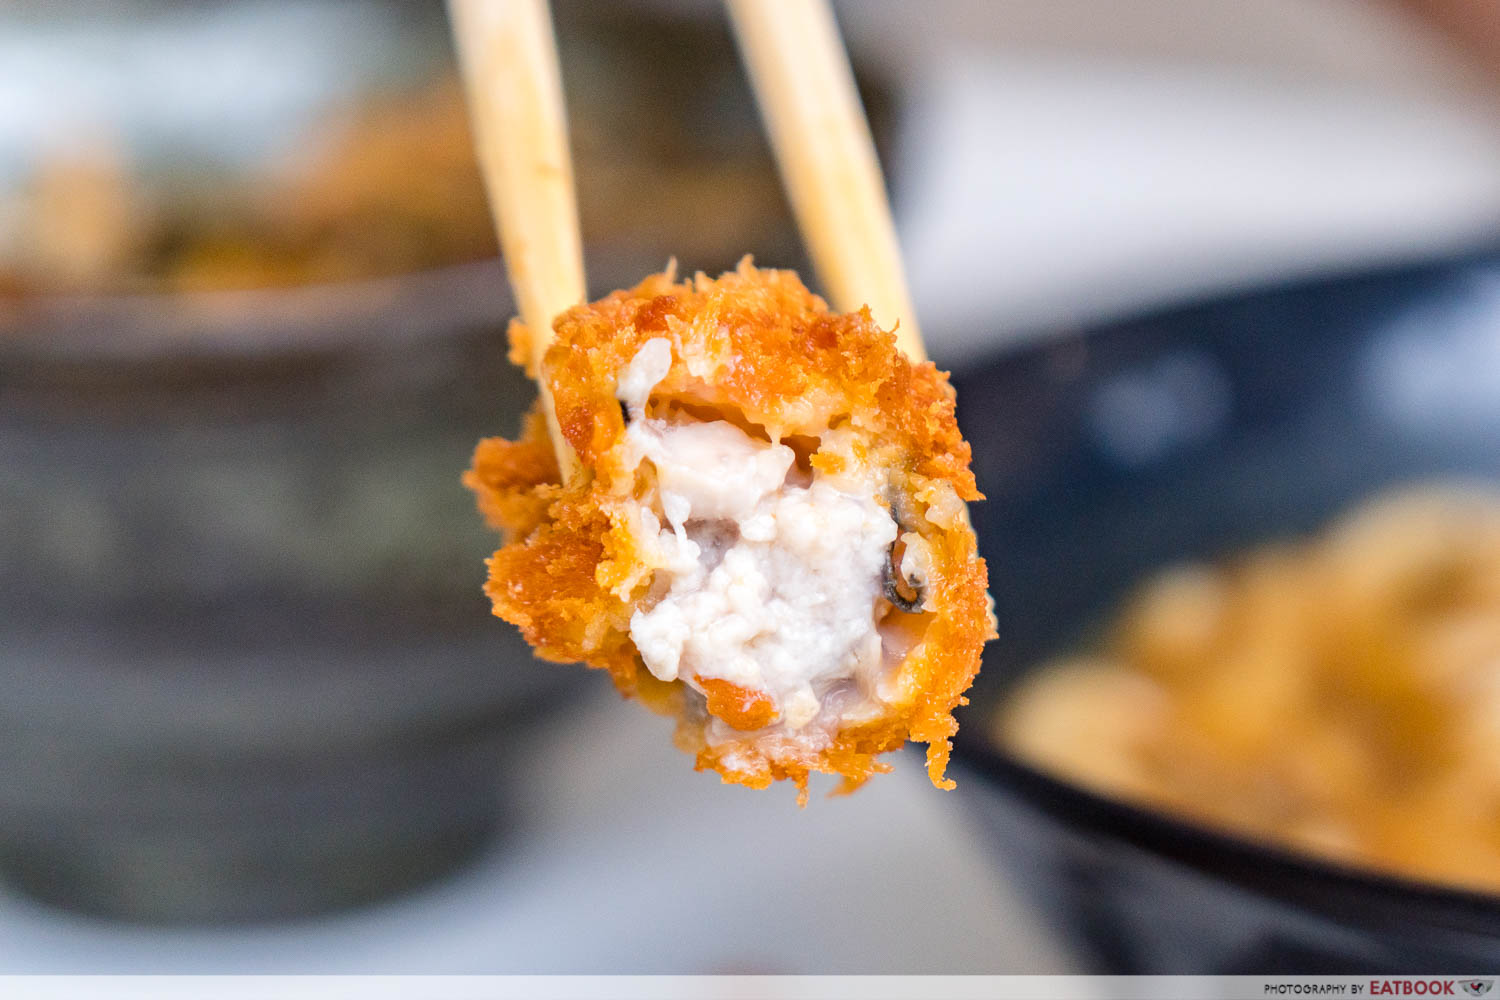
(1064, 162)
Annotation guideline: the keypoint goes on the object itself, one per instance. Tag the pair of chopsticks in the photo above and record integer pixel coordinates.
(807, 98)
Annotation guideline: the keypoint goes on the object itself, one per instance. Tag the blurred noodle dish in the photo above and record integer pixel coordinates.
(382, 188)
(1338, 695)
(385, 185)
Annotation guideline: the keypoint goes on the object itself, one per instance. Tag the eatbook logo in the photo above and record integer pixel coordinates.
(1477, 987)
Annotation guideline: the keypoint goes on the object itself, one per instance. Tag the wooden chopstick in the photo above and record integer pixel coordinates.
(807, 98)
(508, 55)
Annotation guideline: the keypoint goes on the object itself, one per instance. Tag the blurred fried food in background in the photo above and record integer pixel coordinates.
(1339, 695)
(387, 187)
(668, 153)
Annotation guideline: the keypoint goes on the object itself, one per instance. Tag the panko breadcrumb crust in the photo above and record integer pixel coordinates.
(754, 346)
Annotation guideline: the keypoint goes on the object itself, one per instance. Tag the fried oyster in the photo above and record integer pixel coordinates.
(768, 539)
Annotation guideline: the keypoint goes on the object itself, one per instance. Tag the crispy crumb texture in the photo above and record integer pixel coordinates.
(755, 350)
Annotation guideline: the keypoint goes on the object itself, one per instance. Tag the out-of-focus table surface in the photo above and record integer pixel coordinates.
(623, 860)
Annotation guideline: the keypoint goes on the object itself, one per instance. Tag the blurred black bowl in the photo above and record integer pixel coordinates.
(248, 669)
(1112, 453)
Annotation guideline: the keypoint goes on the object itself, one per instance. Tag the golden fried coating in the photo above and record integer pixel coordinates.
(756, 349)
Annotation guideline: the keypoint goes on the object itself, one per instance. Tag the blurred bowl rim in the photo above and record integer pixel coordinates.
(255, 323)
(1324, 884)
